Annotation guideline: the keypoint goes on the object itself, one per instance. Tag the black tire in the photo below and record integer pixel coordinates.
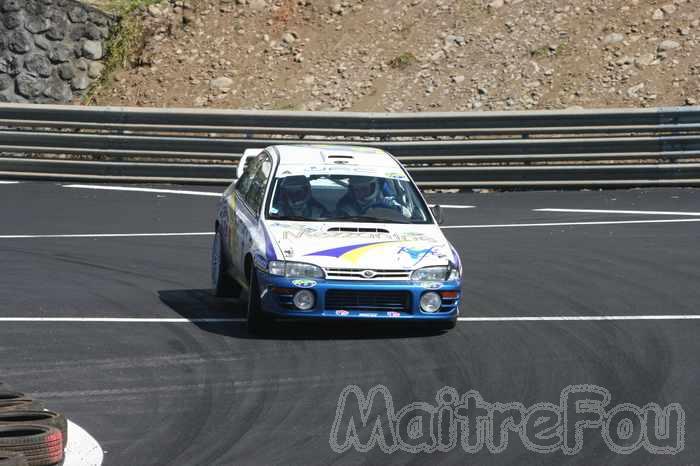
(25, 404)
(224, 285)
(39, 418)
(40, 445)
(258, 321)
(10, 458)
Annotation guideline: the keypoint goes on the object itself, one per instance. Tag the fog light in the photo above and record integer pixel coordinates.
(304, 300)
(430, 302)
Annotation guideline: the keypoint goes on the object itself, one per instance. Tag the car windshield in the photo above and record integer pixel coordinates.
(346, 198)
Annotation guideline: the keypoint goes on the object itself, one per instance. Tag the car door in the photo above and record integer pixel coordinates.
(250, 193)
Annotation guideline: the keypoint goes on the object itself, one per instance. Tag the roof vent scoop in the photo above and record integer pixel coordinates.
(342, 159)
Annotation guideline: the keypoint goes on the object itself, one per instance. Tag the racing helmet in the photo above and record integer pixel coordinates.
(296, 191)
(365, 189)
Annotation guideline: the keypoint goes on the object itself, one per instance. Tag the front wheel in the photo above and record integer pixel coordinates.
(258, 321)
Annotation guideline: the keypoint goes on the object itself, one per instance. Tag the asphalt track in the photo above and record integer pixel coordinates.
(204, 393)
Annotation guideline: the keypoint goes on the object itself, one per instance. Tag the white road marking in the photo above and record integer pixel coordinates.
(145, 190)
(8, 182)
(217, 320)
(562, 224)
(107, 235)
(81, 449)
(634, 212)
(579, 318)
(132, 320)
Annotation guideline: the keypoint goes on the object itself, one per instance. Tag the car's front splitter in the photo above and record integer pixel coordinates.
(278, 292)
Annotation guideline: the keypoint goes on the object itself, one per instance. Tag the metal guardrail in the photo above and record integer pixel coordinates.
(634, 147)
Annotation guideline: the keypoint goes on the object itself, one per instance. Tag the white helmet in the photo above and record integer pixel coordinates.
(296, 191)
(365, 189)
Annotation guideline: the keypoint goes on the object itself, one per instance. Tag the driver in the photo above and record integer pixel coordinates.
(365, 193)
(296, 199)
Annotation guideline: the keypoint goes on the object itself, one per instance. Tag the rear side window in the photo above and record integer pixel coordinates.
(243, 183)
(254, 181)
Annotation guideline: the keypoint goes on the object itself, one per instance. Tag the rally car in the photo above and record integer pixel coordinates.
(332, 232)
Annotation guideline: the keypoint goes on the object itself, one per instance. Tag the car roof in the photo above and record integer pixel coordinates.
(304, 155)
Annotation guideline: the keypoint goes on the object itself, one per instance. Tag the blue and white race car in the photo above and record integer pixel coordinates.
(332, 232)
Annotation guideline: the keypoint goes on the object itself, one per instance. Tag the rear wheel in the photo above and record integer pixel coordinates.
(258, 321)
(224, 285)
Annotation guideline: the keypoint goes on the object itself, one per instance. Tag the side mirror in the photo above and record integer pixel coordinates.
(437, 213)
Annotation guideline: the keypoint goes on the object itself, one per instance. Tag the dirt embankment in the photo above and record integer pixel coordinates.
(415, 55)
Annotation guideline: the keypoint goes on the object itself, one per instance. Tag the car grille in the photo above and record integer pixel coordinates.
(380, 274)
(355, 300)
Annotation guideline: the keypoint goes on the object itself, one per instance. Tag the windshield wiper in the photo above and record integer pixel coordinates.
(363, 218)
(292, 217)
(359, 218)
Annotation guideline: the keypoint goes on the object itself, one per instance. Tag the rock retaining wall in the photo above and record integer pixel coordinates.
(50, 50)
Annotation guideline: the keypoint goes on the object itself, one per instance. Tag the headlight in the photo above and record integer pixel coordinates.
(294, 269)
(430, 274)
(430, 302)
(301, 270)
(435, 274)
(276, 268)
(304, 300)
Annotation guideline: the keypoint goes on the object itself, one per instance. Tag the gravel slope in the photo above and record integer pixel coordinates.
(416, 55)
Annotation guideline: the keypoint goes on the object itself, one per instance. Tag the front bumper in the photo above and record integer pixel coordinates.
(358, 299)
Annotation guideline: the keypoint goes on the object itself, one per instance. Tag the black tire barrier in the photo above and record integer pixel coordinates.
(9, 458)
(39, 418)
(40, 445)
(23, 404)
(9, 396)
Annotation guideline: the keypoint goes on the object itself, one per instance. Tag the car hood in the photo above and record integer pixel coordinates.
(361, 245)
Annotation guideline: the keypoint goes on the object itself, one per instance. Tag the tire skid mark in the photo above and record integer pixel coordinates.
(158, 362)
(312, 380)
(71, 259)
(153, 361)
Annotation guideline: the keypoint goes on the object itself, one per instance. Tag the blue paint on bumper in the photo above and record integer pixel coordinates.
(357, 299)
